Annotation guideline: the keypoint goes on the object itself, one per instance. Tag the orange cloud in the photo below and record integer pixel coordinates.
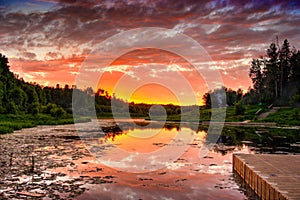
(40, 43)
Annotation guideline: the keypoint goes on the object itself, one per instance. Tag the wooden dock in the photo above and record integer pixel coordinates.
(270, 176)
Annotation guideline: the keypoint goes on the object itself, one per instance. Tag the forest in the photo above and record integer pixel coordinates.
(18, 97)
(275, 78)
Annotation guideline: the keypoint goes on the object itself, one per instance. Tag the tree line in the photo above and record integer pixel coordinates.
(275, 78)
(20, 97)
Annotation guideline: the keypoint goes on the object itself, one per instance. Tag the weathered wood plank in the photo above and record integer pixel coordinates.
(270, 176)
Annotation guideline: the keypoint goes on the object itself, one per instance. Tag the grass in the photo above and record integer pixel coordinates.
(249, 114)
(11, 122)
(284, 116)
(205, 114)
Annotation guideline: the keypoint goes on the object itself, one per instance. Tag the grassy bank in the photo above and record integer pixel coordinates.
(205, 114)
(11, 122)
(284, 116)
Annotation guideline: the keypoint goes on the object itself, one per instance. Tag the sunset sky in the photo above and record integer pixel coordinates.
(47, 41)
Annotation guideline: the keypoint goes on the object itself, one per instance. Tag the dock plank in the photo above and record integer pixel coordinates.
(270, 176)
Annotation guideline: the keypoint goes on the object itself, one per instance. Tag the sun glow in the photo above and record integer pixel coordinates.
(153, 76)
(154, 94)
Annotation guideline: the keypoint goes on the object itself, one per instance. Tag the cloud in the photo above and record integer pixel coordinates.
(44, 39)
(29, 55)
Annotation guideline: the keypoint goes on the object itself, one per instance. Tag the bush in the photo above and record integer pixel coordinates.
(47, 109)
(239, 109)
(295, 100)
(5, 129)
(33, 109)
(57, 112)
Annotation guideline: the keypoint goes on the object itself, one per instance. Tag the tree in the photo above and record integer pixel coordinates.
(4, 67)
(285, 66)
(19, 98)
(239, 108)
(239, 94)
(206, 99)
(32, 95)
(295, 66)
(276, 78)
(256, 75)
(230, 97)
(272, 72)
(2, 94)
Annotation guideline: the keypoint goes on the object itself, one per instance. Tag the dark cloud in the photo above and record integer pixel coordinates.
(74, 26)
(29, 55)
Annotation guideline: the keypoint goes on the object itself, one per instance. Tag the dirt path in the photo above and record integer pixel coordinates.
(266, 114)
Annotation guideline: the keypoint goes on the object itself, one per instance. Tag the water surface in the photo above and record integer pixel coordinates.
(52, 162)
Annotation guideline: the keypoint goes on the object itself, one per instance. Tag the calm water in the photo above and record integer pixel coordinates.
(152, 161)
(134, 160)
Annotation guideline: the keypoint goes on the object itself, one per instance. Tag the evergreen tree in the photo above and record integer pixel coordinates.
(256, 75)
(285, 66)
(271, 73)
(295, 70)
(276, 78)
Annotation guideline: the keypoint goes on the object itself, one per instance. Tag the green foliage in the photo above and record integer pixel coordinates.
(213, 97)
(255, 73)
(4, 68)
(31, 93)
(24, 105)
(239, 108)
(276, 78)
(295, 99)
(11, 108)
(19, 98)
(47, 109)
(11, 122)
(285, 116)
(33, 108)
(5, 129)
(206, 99)
(57, 112)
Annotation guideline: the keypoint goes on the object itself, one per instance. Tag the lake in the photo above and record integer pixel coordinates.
(124, 160)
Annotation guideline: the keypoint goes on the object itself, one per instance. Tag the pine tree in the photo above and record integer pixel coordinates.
(285, 66)
(271, 73)
(256, 75)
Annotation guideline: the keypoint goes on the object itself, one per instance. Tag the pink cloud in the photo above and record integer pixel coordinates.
(42, 42)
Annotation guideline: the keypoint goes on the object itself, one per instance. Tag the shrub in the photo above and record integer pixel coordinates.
(47, 109)
(33, 108)
(57, 112)
(239, 109)
(5, 129)
(295, 100)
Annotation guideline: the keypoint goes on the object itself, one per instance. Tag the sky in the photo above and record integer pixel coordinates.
(50, 41)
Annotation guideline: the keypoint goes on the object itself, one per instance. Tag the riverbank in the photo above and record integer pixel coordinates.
(284, 117)
(11, 122)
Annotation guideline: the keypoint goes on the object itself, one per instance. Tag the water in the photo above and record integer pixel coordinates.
(138, 161)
